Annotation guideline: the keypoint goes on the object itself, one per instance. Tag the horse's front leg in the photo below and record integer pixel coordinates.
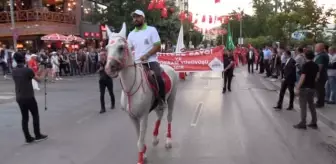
(141, 141)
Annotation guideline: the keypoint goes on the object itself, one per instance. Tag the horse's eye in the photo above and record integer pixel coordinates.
(121, 48)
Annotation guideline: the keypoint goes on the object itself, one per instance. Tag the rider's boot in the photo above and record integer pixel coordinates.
(162, 93)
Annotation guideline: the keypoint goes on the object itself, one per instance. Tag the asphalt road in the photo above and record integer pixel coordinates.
(239, 127)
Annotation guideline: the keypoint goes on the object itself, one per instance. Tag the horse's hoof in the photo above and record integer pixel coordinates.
(144, 160)
(155, 141)
(168, 144)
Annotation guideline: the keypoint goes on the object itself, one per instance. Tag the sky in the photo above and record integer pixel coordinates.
(208, 7)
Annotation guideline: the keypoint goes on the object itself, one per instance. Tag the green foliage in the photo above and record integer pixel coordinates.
(259, 42)
(118, 11)
(279, 19)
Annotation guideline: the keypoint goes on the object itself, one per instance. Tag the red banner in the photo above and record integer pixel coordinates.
(195, 61)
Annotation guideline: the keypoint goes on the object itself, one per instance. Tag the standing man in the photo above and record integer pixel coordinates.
(3, 61)
(331, 84)
(288, 82)
(74, 69)
(322, 60)
(250, 59)
(25, 97)
(105, 81)
(261, 61)
(267, 58)
(228, 70)
(306, 90)
(300, 60)
(145, 41)
(283, 55)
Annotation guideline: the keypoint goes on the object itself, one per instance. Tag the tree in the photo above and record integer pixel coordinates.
(279, 19)
(118, 11)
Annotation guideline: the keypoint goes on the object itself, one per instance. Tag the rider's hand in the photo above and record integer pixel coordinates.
(144, 58)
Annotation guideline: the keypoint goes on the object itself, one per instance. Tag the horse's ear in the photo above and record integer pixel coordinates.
(109, 32)
(123, 30)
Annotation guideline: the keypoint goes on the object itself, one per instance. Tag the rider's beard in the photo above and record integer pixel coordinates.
(139, 24)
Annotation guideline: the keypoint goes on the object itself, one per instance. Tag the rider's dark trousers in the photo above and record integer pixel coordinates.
(155, 67)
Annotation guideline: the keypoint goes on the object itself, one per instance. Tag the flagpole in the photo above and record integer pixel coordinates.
(14, 32)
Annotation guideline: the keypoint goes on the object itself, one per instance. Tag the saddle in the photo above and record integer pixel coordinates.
(155, 87)
(153, 83)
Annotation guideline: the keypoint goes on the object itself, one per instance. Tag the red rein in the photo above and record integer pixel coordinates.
(124, 65)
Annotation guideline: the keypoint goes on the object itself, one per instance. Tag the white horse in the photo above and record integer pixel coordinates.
(138, 97)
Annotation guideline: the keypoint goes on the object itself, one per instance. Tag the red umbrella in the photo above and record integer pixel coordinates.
(54, 37)
(75, 38)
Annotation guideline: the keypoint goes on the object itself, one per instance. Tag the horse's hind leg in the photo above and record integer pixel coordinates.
(159, 114)
(171, 101)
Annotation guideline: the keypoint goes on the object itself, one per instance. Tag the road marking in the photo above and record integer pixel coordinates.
(197, 114)
(83, 119)
(6, 97)
(7, 93)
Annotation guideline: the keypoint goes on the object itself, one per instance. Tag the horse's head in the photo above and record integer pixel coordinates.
(118, 52)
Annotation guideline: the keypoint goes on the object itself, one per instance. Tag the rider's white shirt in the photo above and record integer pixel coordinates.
(143, 40)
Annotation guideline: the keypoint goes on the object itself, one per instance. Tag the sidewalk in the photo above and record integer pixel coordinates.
(327, 114)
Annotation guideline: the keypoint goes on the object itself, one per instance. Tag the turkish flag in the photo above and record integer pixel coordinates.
(160, 4)
(172, 9)
(210, 19)
(151, 5)
(238, 17)
(226, 19)
(190, 16)
(182, 16)
(203, 18)
(217, 1)
(164, 13)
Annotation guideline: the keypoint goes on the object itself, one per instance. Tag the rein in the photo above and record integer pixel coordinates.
(123, 64)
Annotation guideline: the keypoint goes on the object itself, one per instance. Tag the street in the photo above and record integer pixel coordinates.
(238, 127)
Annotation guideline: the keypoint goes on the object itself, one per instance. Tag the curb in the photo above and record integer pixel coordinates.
(321, 117)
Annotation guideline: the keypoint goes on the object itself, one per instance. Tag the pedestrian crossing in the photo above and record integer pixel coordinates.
(5, 96)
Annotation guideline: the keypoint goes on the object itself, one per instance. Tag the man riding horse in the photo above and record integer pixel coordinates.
(145, 41)
(139, 93)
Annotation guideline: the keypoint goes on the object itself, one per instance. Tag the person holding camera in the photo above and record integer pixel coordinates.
(25, 97)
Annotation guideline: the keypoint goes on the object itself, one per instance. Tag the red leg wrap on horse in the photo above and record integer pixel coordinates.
(141, 158)
(156, 129)
(169, 131)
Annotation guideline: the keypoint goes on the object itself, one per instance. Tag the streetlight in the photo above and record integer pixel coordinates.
(14, 32)
(240, 40)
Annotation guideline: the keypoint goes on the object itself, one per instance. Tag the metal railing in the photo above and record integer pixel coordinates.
(38, 15)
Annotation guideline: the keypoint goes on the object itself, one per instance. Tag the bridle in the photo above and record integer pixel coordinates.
(124, 65)
(126, 55)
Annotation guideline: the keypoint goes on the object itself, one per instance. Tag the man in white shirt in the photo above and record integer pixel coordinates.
(145, 41)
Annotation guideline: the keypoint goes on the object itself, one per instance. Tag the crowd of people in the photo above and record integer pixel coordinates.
(61, 62)
(308, 71)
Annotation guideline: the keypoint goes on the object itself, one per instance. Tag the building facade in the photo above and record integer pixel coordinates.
(35, 18)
